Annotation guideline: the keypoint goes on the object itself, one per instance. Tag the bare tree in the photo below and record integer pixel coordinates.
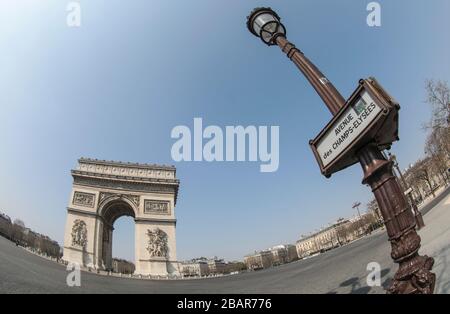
(372, 206)
(342, 234)
(236, 266)
(17, 234)
(437, 147)
(422, 172)
(438, 96)
(19, 223)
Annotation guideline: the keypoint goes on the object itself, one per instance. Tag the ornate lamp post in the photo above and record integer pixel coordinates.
(368, 122)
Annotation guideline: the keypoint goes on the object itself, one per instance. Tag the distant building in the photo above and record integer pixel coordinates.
(5, 226)
(291, 251)
(235, 267)
(284, 253)
(306, 246)
(217, 266)
(194, 268)
(259, 260)
(277, 255)
(340, 233)
(122, 266)
(202, 266)
(324, 240)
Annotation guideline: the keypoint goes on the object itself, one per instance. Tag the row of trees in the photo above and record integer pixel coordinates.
(17, 232)
(365, 224)
(430, 172)
(236, 266)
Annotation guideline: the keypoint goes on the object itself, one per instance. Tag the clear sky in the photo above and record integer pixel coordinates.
(116, 86)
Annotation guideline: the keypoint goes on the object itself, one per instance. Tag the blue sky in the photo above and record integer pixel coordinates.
(115, 87)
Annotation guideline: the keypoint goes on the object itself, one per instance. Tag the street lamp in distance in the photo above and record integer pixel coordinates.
(408, 190)
(356, 205)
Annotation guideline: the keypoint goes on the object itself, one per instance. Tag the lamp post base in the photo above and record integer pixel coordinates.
(414, 274)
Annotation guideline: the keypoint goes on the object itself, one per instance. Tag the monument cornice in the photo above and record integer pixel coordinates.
(82, 212)
(89, 174)
(165, 186)
(157, 220)
(125, 164)
(89, 214)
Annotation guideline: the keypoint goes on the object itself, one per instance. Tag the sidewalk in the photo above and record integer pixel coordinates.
(430, 202)
(436, 239)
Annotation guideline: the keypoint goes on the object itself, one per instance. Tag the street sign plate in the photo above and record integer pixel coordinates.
(345, 130)
(369, 115)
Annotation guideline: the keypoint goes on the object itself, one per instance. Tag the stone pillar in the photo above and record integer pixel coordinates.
(155, 248)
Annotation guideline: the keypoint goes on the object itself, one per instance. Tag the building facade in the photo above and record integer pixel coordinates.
(277, 255)
(259, 260)
(5, 226)
(292, 254)
(217, 266)
(200, 267)
(324, 240)
(121, 266)
(194, 268)
(338, 234)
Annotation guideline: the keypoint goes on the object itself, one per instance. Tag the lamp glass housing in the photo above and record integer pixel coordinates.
(265, 23)
(261, 21)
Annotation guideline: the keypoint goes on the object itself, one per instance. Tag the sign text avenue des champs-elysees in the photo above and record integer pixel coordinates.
(370, 114)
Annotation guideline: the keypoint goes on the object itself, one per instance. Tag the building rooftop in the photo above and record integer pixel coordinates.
(192, 261)
(4, 216)
(116, 170)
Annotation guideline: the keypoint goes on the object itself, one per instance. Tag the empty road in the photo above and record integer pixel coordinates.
(339, 271)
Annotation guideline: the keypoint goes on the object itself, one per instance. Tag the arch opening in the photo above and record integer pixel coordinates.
(110, 213)
(123, 246)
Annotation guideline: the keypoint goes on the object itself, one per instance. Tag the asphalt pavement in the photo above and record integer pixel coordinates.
(342, 270)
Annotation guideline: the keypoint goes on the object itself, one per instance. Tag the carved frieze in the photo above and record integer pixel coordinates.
(106, 195)
(156, 207)
(103, 196)
(134, 199)
(130, 186)
(79, 233)
(157, 243)
(128, 171)
(83, 199)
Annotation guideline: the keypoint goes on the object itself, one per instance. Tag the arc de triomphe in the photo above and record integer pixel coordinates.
(102, 192)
